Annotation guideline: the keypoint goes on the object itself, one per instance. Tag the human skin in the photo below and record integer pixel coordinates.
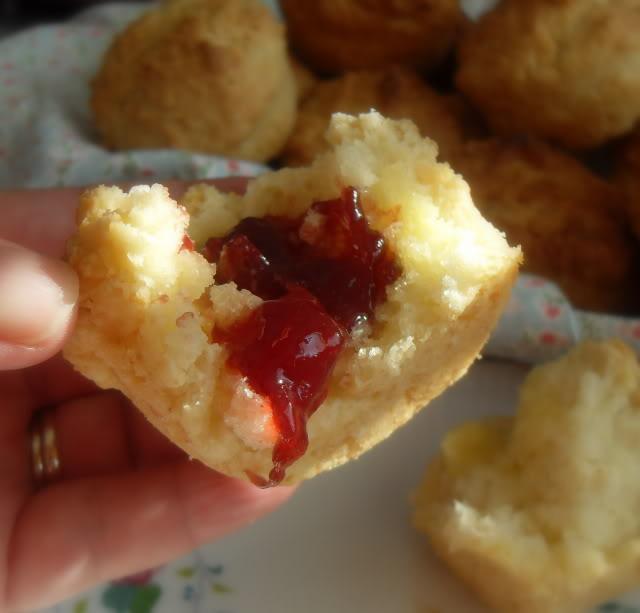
(126, 498)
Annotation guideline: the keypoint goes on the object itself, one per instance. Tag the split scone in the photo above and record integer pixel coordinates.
(563, 70)
(570, 222)
(209, 76)
(540, 513)
(292, 328)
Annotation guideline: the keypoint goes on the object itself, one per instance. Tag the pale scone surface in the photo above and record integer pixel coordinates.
(147, 307)
(540, 513)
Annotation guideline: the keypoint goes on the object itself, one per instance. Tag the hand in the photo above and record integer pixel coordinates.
(126, 499)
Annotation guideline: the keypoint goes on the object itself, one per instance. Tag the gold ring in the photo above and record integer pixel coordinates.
(45, 457)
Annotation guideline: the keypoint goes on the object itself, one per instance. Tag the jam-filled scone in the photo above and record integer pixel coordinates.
(280, 333)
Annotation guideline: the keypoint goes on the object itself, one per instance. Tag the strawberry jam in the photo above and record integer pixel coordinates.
(187, 243)
(287, 349)
(320, 275)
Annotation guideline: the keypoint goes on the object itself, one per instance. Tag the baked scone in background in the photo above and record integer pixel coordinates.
(540, 513)
(395, 92)
(570, 223)
(210, 76)
(334, 36)
(563, 70)
(148, 306)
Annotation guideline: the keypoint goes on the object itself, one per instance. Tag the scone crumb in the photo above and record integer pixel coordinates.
(540, 513)
(250, 417)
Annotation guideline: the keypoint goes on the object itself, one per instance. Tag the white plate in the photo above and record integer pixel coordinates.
(344, 543)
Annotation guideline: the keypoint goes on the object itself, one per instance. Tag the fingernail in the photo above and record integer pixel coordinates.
(37, 296)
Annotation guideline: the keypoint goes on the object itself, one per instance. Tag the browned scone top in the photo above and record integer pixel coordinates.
(563, 70)
(396, 92)
(628, 177)
(337, 35)
(569, 222)
(201, 75)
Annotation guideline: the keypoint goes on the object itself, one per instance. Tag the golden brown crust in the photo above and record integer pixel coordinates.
(179, 76)
(337, 35)
(147, 306)
(366, 421)
(396, 92)
(568, 221)
(564, 70)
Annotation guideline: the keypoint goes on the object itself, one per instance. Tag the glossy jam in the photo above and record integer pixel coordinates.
(287, 349)
(320, 276)
(187, 243)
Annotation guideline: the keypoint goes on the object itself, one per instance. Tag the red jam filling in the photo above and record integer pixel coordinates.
(187, 243)
(320, 276)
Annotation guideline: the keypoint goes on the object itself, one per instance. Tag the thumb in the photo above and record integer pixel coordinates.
(37, 306)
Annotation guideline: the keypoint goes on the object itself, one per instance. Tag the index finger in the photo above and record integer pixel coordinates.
(43, 220)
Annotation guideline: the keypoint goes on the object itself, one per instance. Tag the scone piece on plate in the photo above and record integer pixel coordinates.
(540, 513)
(291, 328)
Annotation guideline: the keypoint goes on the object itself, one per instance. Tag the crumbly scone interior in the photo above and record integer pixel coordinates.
(165, 304)
(540, 511)
(141, 291)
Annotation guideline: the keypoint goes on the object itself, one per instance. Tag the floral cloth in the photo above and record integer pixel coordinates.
(190, 585)
(46, 135)
(539, 324)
